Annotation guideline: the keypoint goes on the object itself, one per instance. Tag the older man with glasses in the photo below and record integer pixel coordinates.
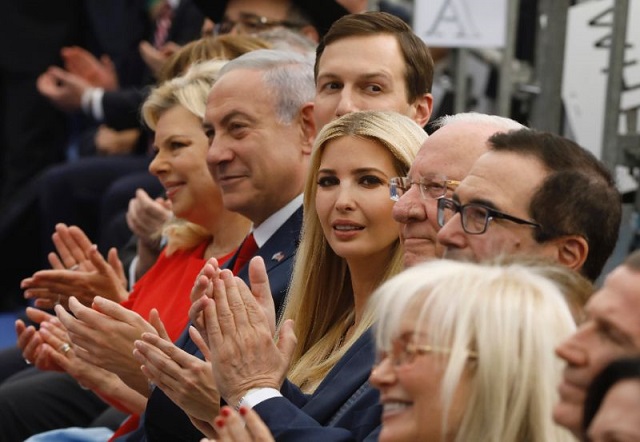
(442, 162)
(533, 193)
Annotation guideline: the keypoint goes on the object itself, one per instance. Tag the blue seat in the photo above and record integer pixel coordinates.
(7, 329)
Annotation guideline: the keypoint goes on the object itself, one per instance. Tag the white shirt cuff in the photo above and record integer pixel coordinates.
(258, 395)
(97, 109)
(91, 103)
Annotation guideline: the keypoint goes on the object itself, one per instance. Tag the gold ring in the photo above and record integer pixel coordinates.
(64, 348)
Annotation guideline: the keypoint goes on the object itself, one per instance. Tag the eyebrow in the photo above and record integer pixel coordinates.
(359, 77)
(373, 75)
(358, 171)
(235, 114)
(606, 324)
(485, 203)
(480, 201)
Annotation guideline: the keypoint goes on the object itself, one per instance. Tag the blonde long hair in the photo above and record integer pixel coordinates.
(320, 297)
(511, 317)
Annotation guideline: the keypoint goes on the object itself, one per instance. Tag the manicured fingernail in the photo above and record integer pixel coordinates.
(219, 422)
(225, 412)
(243, 411)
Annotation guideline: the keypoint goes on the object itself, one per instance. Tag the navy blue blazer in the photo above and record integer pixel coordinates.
(163, 420)
(344, 407)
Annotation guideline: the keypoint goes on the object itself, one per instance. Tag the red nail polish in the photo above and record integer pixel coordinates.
(243, 411)
(225, 412)
(219, 422)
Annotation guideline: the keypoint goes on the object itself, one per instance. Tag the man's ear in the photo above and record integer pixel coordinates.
(423, 109)
(571, 251)
(307, 127)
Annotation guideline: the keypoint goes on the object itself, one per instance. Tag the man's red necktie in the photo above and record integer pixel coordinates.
(247, 251)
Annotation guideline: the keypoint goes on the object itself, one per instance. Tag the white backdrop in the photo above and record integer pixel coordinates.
(461, 23)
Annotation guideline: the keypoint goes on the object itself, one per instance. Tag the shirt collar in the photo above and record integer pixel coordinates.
(266, 229)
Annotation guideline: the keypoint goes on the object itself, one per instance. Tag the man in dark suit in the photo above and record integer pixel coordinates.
(260, 121)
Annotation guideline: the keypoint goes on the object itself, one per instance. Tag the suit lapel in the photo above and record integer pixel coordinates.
(349, 374)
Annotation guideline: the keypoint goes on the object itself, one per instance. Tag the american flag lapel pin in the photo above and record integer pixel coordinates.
(277, 257)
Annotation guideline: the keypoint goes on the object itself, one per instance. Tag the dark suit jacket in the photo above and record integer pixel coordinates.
(344, 407)
(163, 420)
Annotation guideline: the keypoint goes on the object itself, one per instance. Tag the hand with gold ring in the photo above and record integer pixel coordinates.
(58, 348)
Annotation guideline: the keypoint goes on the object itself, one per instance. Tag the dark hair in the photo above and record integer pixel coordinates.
(578, 196)
(618, 370)
(418, 74)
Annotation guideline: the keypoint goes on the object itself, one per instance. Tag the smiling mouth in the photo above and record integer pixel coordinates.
(345, 228)
(170, 190)
(393, 408)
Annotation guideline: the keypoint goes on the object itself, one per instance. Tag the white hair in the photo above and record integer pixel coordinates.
(288, 75)
(501, 123)
(510, 317)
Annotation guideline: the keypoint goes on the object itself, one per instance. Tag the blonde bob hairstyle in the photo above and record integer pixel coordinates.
(189, 91)
(320, 296)
(511, 317)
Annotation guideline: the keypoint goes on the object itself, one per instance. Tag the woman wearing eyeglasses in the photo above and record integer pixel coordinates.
(466, 353)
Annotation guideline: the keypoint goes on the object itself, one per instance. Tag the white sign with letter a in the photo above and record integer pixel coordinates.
(461, 23)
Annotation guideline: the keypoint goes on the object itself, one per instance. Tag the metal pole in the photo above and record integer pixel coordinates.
(460, 80)
(546, 113)
(611, 154)
(505, 87)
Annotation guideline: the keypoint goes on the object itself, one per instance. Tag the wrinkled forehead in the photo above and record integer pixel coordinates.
(507, 180)
(240, 90)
